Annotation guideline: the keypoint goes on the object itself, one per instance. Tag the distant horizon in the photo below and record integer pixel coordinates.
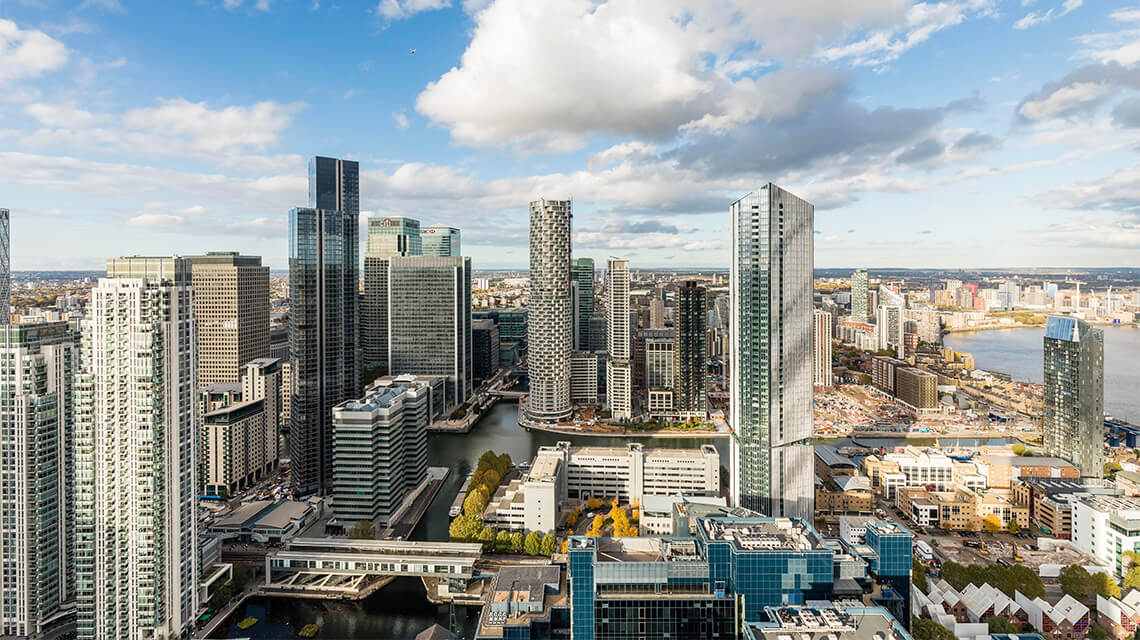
(275, 270)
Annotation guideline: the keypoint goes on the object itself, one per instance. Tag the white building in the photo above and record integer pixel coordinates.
(821, 349)
(1106, 526)
(889, 323)
(657, 512)
(136, 451)
(584, 377)
(619, 378)
(549, 313)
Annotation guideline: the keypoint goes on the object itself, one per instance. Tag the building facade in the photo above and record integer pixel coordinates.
(860, 296)
(619, 376)
(549, 316)
(771, 283)
(484, 349)
(37, 422)
(821, 349)
(5, 268)
(239, 436)
(387, 237)
(582, 273)
(1074, 393)
(231, 303)
(692, 352)
(440, 241)
(136, 498)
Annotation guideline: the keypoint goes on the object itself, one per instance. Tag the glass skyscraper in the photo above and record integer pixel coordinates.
(582, 272)
(692, 350)
(387, 237)
(5, 269)
(549, 317)
(619, 344)
(440, 241)
(770, 286)
(1074, 393)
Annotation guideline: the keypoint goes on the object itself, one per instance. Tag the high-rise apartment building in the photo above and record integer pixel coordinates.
(770, 288)
(240, 429)
(231, 303)
(136, 428)
(429, 320)
(1074, 393)
(860, 296)
(549, 321)
(619, 376)
(656, 309)
(691, 323)
(821, 349)
(324, 303)
(387, 237)
(5, 268)
(441, 241)
(890, 325)
(582, 273)
(37, 413)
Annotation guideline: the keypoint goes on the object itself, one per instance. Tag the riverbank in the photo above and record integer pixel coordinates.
(576, 431)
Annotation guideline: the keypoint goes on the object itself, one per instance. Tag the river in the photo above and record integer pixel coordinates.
(400, 610)
(1018, 352)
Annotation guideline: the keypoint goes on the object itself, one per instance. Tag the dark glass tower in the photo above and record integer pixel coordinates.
(582, 272)
(323, 316)
(1074, 393)
(691, 350)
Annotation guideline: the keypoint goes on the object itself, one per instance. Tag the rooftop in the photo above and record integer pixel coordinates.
(761, 534)
(842, 620)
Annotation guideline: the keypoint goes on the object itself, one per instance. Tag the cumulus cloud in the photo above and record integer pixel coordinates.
(1119, 191)
(1127, 113)
(922, 20)
(214, 130)
(1080, 91)
(400, 9)
(27, 53)
(401, 120)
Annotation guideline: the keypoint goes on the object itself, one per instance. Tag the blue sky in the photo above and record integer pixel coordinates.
(963, 133)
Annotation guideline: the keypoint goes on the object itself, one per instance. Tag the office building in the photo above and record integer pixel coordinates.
(484, 349)
(917, 389)
(660, 373)
(860, 296)
(619, 377)
(240, 424)
(37, 422)
(231, 304)
(821, 349)
(1074, 393)
(429, 320)
(440, 241)
(771, 367)
(5, 268)
(511, 323)
(692, 352)
(584, 378)
(380, 450)
(387, 237)
(598, 324)
(549, 316)
(1105, 527)
(582, 273)
(657, 310)
(136, 447)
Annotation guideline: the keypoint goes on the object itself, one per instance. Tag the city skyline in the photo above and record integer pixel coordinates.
(900, 123)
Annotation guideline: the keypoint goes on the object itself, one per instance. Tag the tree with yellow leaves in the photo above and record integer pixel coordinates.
(593, 503)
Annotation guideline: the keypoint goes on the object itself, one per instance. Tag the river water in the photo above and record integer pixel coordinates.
(400, 609)
(1018, 352)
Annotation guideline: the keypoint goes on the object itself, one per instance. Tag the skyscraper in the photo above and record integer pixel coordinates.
(429, 320)
(323, 307)
(657, 309)
(821, 349)
(5, 269)
(136, 447)
(619, 376)
(1074, 393)
(860, 297)
(582, 272)
(692, 349)
(231, 303)
(387, 237)
(441, 241)
(771, 344)
(549, 323)
(37, 422)
(890, 326)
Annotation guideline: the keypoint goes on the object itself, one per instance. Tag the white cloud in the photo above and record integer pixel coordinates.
(206, 129)
(1033, 18)
(106, 5)
(922, 21)
(264, 5)
(231, 4)
(400, 9)
(27, 53)
(401, 120)
(62, 116)
(1126, 15)
(1065, 99)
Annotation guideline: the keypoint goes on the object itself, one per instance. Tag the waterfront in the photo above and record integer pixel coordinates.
(1018, 352)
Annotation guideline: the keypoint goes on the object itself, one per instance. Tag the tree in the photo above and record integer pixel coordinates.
(1018, 449)
(998, 624)
(923, 629)
(1013, 527)
(1110, 469)
(1132, 576)
(918, 575)
(362, 530)
(593, 503)
(487, 537)
(572, 518)
(549, 544)
(475, 502)
(1105, 586)
(533, 544)
(992, 523)
(503, 541)
(464, 527)
(516, 542)
(1096, 633)
(1077, 582)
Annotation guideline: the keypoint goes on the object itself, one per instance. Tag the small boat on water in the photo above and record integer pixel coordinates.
(960, 455)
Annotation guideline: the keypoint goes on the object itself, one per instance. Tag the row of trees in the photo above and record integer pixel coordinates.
(992, 523)
(1079, 583)
(235, 585)
(467, 529)
(489, 473)
(1006, 579)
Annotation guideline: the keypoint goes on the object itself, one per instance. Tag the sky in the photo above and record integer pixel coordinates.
(955, 134)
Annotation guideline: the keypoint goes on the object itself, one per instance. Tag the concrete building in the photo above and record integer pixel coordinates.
(484, 349)
(429, 320)
(692, 351)
(240, 429)
(891, 326)
(584, 372)
(231, 304)
(771, 281)
(656, 310)
(380, 450)
(37, 422)
(1050, 501)
(619, 376)
(860, 296)
(916, 388)
(440, 241)
(660, 369)
(136, 424)
(387, 237)
(324, 301)
(549, 317)
(582, 273)
(962, 509)
(1074, 393)
(821, 349)
(1105, 527)
(5, 268)
(911, 467)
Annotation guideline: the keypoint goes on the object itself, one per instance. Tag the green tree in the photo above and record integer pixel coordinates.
(487, 537)
(549, 544)
(362, 530)
(503, 541)
(516, 542)
(533, 543)
(1096, 633)
(1132, 575)
(1018, 449)
(923, 629)
(464, 528)
(1110, 469)
(918, 575)
(1106, 587)
(1077, 582)
(475, 502)
(1012, 526)
(998, 624)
